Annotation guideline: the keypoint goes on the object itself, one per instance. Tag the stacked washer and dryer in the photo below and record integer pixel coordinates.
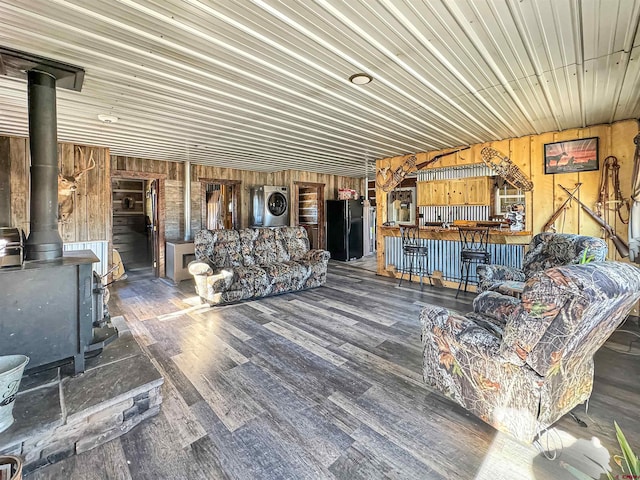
(270, 206)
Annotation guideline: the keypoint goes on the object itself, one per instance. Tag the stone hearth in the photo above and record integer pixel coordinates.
(58, 415)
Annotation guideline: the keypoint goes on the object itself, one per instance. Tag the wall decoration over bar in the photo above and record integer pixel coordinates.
(571, 156)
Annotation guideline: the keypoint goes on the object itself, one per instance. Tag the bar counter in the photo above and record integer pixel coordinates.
(505, 246)
(497, 236)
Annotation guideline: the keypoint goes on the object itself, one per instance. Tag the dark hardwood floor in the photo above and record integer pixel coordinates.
(326, 383)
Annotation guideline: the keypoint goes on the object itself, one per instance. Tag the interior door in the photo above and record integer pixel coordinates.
(308, 210)
(153, 228)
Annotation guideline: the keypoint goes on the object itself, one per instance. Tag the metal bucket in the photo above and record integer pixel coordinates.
(11, 368)
(12, 466)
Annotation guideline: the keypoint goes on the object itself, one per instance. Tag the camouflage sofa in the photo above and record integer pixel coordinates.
(520, 365)
(233, 265)
(546, 250)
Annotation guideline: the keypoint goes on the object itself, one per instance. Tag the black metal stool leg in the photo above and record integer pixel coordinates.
(461, 275)
(466, 279)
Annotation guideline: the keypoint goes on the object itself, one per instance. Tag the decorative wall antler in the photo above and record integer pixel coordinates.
(504, 167)
(68, 184)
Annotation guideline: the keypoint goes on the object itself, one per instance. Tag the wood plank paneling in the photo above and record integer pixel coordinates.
(89, 220)
(19, 160)
(5, 183)
(528, 153)
(248, 179)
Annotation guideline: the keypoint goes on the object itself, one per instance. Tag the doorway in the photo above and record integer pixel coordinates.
(220, 206)
(308, 211)
(136, 223)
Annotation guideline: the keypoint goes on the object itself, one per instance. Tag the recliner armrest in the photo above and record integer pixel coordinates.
(495, 305)
(317, 255)
(499, 273)
(490, 275)
(200, 267)
(455, 334)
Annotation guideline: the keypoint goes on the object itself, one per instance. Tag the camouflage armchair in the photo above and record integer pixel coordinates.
(233, 265)
(520, 365)
(546, 250)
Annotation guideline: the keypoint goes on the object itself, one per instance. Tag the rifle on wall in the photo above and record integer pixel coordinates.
(621, 247)
(388, 181)
(563, 208)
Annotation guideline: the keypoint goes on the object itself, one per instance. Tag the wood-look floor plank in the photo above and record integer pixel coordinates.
(355, 464)
(206, 455)
(324, 383)
(304, 341)
(404, 465)
(232, 405)
(298, 419)
(185, 426)
(370, 360)
(107, 463)
(169, 370)
(308, 374)
(152, 452)
(409, 432)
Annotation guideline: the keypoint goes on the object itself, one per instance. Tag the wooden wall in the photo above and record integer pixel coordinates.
(174, 171)
(527, 152)
(90, 220)
(331, 182)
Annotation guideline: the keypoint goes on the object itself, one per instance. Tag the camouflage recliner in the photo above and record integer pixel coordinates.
(546, 250)
(521, 364)
(233, 265)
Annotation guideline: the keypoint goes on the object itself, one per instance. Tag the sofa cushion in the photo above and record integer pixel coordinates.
(315, 261)
(268, 248)
(251, 281)
(549, 250)
(295, 241)
(220, 247)
(543, 298)
(247, 245)
(286, 276)
(604, 294)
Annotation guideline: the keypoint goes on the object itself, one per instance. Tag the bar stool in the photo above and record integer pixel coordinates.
(473, 249)
(415, 257)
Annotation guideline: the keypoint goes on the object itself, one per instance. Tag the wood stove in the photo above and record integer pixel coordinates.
(48, 303)
(47, 310)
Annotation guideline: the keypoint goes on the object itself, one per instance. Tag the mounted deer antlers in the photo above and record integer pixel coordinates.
(67, 184)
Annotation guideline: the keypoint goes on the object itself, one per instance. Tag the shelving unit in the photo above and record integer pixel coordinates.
(308, 206)
(130, 236)
(308, 213)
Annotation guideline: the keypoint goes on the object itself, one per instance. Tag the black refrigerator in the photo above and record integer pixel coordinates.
(344, 229)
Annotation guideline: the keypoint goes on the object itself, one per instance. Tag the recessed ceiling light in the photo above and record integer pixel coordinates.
(108, 118)
(360, 79)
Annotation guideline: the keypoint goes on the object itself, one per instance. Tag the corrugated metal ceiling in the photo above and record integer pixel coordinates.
(263, 84)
